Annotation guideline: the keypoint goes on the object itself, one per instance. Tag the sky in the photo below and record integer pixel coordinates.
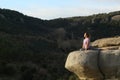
(51, 9)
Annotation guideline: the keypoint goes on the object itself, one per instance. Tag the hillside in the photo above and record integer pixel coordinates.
(39, 47)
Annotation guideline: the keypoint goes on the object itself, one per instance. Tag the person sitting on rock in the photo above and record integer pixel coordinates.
(86, 42)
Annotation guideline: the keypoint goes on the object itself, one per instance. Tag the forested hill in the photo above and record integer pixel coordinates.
(13, 22)
(36, 49)
(99, 25)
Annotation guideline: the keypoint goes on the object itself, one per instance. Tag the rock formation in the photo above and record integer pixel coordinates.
(107, 42)
(116, 18)
(96, 64)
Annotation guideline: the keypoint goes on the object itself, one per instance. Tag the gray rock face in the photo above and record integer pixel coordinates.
(110, 63)
(95, 64)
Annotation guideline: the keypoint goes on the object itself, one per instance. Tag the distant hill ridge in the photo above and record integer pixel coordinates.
(98, 25)
(22, 24)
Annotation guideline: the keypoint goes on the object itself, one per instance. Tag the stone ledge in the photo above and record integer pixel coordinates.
(90, 63)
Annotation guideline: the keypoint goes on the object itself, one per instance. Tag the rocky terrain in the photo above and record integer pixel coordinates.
(102, 63)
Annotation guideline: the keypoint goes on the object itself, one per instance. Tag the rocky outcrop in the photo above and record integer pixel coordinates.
(95, 64)
(102, 63)
(116, 18)
(107, 42)
(112, 43)
(84, 64)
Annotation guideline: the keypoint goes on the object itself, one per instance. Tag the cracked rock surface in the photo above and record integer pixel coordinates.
(95, 64)
(102, 63)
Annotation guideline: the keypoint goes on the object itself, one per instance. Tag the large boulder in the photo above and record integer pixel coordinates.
(102, 63)
(84, 64)
(95, 64)
(110, 64)
(116, 18)
(107, 42)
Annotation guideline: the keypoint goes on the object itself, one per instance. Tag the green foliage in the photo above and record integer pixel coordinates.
(7, 69)
(73, 77)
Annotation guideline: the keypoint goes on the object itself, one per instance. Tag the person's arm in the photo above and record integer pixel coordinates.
(87, 44)
(83, 45)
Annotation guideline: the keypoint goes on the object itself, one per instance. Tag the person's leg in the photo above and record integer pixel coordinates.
(82, 49)
(91, 48)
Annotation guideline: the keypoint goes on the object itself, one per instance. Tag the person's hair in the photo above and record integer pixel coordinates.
(87, 34)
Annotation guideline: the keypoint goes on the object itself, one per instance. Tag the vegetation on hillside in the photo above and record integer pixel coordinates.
(35, 49)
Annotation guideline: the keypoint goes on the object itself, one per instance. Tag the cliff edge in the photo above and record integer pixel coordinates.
(97, 64)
